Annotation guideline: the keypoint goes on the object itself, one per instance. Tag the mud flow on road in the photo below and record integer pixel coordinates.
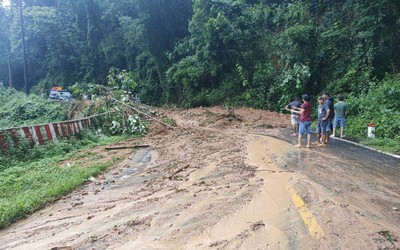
(226, 180)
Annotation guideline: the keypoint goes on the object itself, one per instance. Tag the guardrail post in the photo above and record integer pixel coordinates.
(3, 141)
(48, 132)
(29, 135)
(39, 135)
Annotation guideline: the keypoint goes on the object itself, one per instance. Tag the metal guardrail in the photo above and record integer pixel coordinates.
(39, 134)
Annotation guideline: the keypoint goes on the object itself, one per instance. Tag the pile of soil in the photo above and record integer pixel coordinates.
(221, 117)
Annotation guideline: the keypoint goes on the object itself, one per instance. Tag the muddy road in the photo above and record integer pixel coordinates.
(226, 180)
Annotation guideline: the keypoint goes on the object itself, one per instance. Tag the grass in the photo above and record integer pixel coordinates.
(170, 122)
(386, 145)
(383, 144)
(29, 184)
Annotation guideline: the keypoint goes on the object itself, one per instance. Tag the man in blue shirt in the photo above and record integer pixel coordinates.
(329, 103)
(322, 125)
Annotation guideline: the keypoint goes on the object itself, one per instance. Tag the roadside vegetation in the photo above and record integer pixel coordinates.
(184, 53)
(18, 109)
(379, 105)
(31, 178)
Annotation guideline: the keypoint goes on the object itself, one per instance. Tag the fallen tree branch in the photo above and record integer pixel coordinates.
(126, 147)
(178, 171)
(140, 112)
(141, 146)
(264, 170)
(274, 171)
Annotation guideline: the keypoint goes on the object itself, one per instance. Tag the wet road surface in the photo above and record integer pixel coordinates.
(362, 184)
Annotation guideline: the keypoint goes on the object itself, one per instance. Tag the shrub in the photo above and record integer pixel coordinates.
(19, 109)
(381, 106)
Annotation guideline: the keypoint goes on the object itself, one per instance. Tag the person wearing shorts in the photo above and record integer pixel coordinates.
(322, 125)
(329, 103)
(340, 116)
(305, 120)
(295, 118)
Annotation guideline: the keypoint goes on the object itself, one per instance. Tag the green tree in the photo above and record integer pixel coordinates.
(4, 46)
(246, 52)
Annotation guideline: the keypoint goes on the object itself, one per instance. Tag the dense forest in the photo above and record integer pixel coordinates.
(188, 53)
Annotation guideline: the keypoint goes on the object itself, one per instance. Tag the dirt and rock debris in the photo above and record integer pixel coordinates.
(222, 179)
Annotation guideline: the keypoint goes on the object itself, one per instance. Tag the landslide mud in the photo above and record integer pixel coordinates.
(221, 180)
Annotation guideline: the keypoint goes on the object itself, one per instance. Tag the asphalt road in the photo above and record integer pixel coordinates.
(346, 150)
(362, 183)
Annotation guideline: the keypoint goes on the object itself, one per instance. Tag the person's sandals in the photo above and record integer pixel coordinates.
(321, 145)
(297, 146)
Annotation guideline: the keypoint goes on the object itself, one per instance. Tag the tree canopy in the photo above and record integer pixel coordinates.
(198, 52)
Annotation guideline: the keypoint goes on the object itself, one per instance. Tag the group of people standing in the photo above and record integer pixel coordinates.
(329, 117)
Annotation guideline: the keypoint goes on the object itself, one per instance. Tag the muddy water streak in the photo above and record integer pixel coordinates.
(268, 206)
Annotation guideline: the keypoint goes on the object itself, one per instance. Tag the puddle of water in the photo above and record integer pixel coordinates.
(142, 160)
(276, 146)
(144, 157)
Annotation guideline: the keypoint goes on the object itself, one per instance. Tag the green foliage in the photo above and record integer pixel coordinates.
(132, 125)
(386, 145)
(19, 109)
(121, 79)
(89, 136)
(220, 53)
(189, 53)
(293, 84)
(170, 121)
(28, 183)
(150, 89)
(78, 89)
(380, 106)
(176, 50)
(119, 120)
(23, 152)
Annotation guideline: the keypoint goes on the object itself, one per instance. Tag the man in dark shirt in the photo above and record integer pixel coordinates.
(329, 103)
(305, 120)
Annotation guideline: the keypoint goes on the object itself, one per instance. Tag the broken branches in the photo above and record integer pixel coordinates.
(178, 171)
(140, 112)
(126, 147)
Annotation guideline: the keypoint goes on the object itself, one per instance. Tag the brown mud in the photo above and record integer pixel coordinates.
(221, 180)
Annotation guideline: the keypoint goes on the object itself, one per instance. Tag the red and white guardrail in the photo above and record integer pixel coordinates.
(39, 134)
